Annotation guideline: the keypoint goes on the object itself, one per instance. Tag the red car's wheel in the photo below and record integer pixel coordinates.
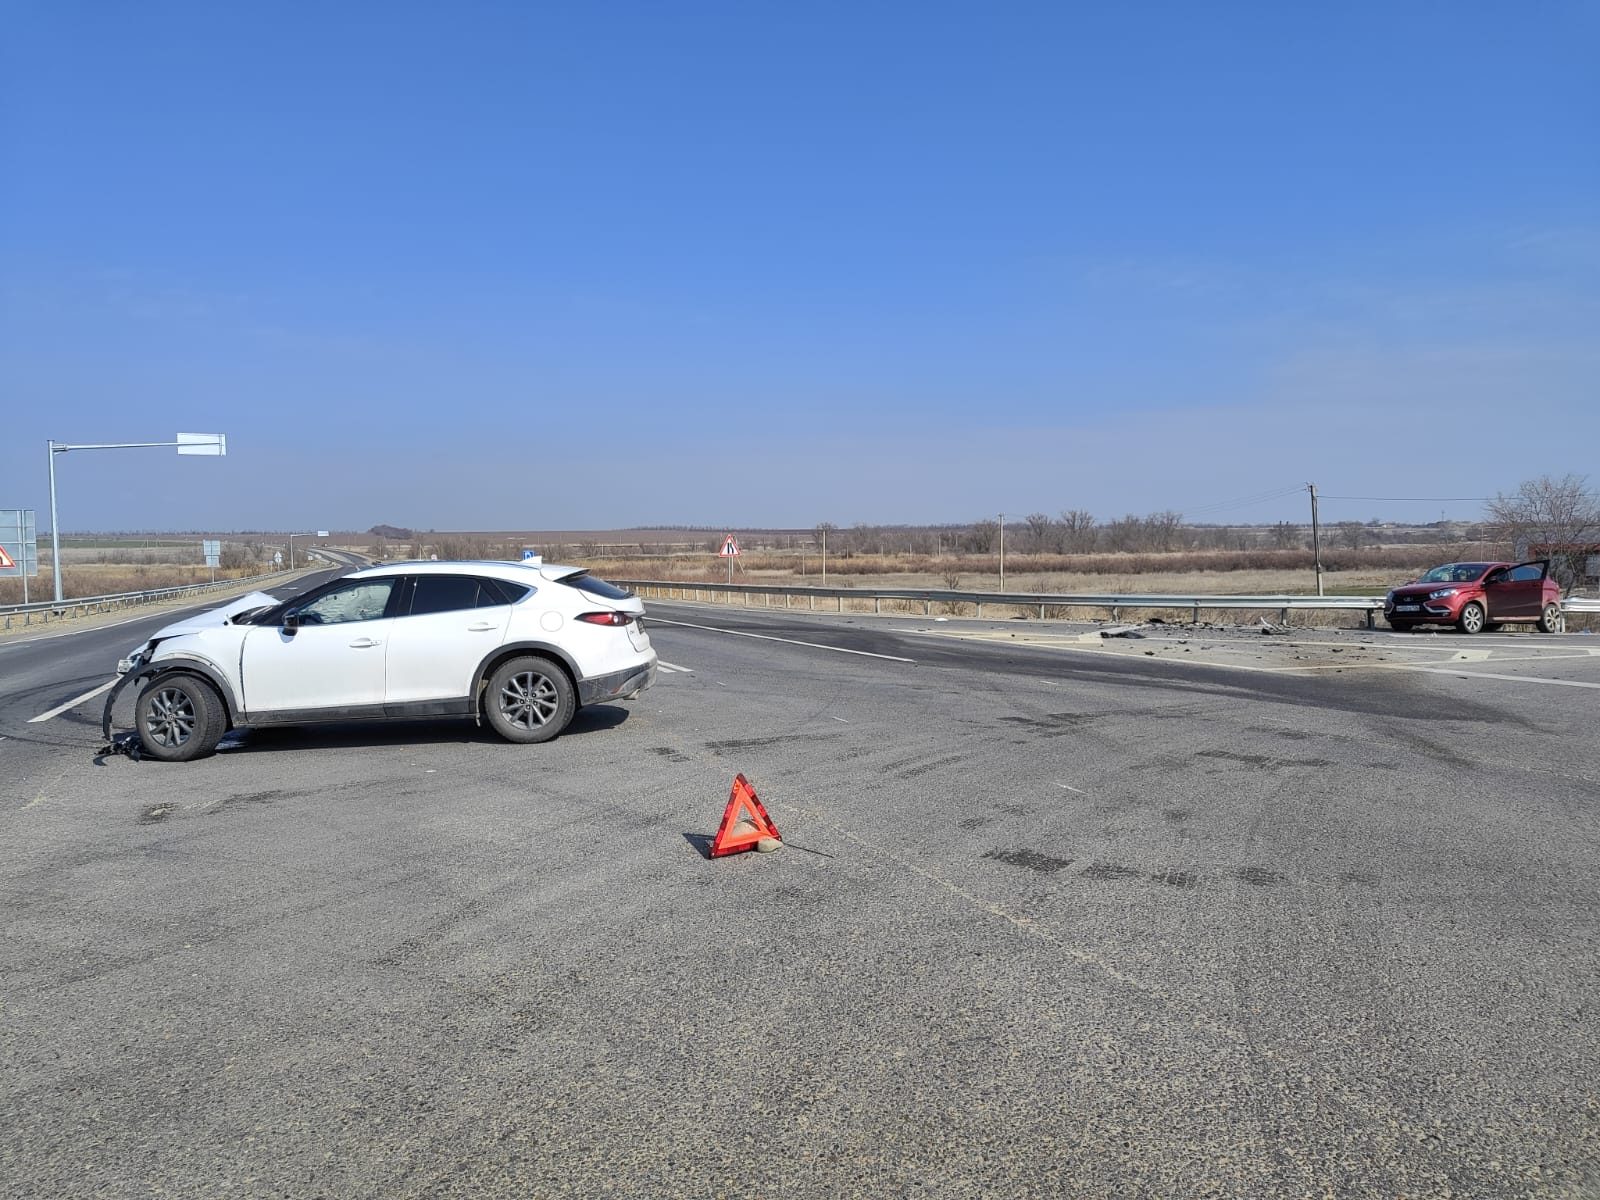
(1471, 618)
(1551, 619)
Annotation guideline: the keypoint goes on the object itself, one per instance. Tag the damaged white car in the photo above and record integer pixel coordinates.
(518, 647)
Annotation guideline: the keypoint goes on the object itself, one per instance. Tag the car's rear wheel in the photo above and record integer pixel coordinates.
(1471, 618)
(179, 717)
(1551, 619)
(529, 700)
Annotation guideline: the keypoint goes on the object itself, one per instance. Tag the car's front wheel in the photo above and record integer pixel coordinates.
(179, 717)
(529, 700)
(1471, 618)
(1551, 620)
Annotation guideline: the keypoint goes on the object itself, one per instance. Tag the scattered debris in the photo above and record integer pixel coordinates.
(124, 743)
(1271, 627)
(1121, 631)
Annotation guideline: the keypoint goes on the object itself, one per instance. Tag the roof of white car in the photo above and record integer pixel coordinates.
(499, 569)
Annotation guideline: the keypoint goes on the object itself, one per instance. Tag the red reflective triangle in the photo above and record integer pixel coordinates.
(744, 823)
(6, 561)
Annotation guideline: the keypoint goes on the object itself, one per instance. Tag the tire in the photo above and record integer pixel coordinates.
(1551, 620)
(1471, 619)
(1402, 626)
(179, 717)
(529, 700)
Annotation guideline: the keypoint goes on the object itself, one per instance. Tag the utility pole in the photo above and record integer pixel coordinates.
(1002, 552)
(1316, 536)
(824, 555)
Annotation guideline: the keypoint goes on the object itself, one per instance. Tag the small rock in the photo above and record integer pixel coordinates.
(767, 845)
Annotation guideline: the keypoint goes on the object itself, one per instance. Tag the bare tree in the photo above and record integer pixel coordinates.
(1039, 529)
(983, 536)
(1353, 534)
(1554, 518)
(1285, 536)
(1080, 531)
(1162, 530)
(1124, 533)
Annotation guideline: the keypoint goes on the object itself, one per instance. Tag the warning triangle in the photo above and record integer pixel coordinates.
(744, 823)
(6, 561)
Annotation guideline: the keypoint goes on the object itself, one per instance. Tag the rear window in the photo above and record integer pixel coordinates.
(596, 587)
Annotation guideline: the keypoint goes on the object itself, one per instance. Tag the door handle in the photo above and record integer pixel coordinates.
(364, 643)
(481, 627)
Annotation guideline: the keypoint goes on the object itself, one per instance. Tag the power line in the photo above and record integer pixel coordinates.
(1244, 501)
(1419, 499)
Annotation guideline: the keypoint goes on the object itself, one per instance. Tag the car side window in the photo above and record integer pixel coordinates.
(451, 593)
(1498, 575)
(1525, 574)
(362, 601)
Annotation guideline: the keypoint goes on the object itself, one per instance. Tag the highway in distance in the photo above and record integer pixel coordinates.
(1199, 913)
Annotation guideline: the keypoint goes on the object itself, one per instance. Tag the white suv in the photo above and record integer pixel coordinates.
(520, 647)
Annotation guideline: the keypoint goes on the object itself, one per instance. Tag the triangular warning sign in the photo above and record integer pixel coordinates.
(6, 561)
(744, 823)
(730, 548)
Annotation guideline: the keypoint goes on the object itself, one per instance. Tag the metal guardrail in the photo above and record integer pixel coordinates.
(1195, 604)
(84, 605)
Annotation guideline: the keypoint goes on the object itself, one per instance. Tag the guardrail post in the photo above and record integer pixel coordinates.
(1283, 616)
(927, 608)
(980, 608)
(813, 602)
(1196, 619)
(1116, 613)
(877, 604)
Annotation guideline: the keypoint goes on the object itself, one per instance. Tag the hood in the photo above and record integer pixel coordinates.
(215, 616)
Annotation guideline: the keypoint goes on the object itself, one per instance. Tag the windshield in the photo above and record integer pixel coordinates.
(1455, 573)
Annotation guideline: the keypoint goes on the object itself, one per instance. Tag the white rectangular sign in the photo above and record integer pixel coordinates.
(202, 443)
(19, 543)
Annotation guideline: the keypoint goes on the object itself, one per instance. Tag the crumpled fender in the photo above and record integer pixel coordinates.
(177, 664)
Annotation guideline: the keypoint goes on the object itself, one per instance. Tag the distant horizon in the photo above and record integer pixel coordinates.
(719, 530)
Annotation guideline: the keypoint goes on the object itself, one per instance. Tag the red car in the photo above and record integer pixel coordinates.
(1474, 596)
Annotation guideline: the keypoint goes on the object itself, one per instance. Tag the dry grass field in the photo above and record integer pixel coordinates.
(107, 565)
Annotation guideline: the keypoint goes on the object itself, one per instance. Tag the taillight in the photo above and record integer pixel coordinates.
(606, 618)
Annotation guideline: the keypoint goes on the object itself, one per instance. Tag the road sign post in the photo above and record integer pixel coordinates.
(19, 546)
(729, 551)
(215, 444)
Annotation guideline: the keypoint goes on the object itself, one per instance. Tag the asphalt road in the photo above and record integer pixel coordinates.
(1199, 913)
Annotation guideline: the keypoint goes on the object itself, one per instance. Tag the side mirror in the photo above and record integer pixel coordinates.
(291, 621)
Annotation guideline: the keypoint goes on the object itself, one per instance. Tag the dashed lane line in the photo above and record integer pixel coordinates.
(61, 708)
(765, 637)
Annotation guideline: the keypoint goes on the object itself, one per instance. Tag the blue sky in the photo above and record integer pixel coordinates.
(519, 265)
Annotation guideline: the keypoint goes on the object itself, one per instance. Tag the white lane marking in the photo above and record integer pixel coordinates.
(50, 637)
(1070, 788)
(841, 720)
(1492, 675)
(1471, 656)
(671, 667)
(61, 708)
(786, 641)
